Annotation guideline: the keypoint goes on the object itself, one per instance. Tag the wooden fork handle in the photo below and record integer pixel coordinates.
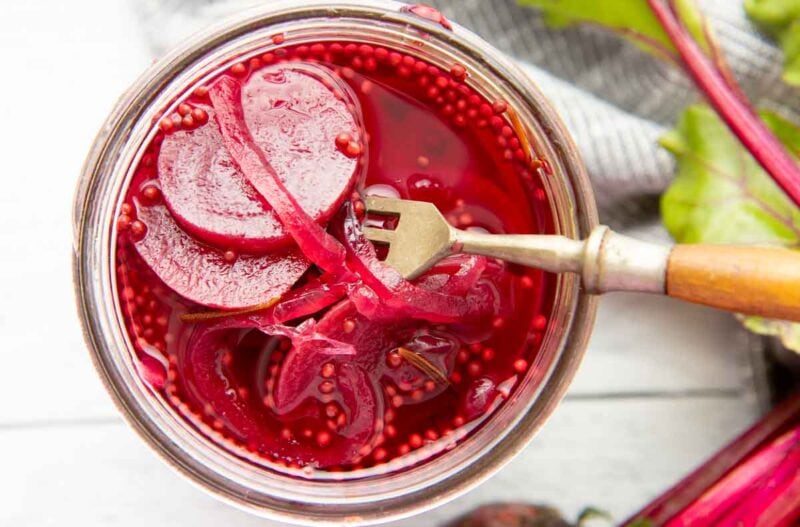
(752, 280)
(743, 279)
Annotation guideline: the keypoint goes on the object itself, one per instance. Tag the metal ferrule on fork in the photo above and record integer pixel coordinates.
(606, 261)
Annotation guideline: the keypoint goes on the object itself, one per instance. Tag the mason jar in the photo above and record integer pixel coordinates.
(354, 500)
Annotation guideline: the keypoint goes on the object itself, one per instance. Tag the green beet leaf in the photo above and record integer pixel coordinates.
(721, 195)
(632, 19)
(780, 19)
(786, 331)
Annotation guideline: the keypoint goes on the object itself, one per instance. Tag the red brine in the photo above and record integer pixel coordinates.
(256, 307)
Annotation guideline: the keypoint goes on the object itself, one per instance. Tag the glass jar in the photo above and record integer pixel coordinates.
(380, 497)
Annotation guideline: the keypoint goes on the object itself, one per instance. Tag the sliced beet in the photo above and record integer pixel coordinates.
(294, 113)
(208, 195)
(210, 385)
(206, 375)
(317, 359)
(352, 352)
(209, 378)
(302, 370)
(316, 244)
(201, 274)
(374, 341)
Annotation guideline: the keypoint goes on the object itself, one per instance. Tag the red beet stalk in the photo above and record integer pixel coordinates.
(736, 113)
(775, 500)
(754, 477)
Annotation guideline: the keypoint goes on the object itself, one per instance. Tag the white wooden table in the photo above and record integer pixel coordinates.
(662, 387)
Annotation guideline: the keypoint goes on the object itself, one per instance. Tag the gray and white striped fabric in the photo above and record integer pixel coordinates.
(615, 99)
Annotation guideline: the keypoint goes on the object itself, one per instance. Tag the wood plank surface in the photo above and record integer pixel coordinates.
(662, 386)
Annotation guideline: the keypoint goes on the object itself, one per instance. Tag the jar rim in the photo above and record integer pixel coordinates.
(103, 179)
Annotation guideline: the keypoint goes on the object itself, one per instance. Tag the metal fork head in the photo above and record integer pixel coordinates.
(422, 237)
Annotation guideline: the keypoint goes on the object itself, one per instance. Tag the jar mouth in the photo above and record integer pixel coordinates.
(353, 501)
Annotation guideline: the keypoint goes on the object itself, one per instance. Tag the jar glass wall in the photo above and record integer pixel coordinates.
(369, 498)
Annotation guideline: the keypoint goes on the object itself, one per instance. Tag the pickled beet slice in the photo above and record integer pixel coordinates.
(317, 361)
(304, 368)
(201, 274)
(455, 275)
(375, 341)
(399, 353)
(202, 366)
(208, 195)
(298, 115)
(294, 113)
(316, 244)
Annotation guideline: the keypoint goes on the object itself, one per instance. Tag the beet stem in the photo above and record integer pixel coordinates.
(738, 485)
(685, 492)
(736, 113)
(774, 497)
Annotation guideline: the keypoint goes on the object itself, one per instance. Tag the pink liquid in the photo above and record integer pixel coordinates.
(429, 137)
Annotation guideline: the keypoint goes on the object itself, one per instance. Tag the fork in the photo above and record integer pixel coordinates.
(752, 280)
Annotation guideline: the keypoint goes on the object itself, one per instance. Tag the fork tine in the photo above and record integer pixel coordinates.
(381, 205)
(421, 238)
(377, 235)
